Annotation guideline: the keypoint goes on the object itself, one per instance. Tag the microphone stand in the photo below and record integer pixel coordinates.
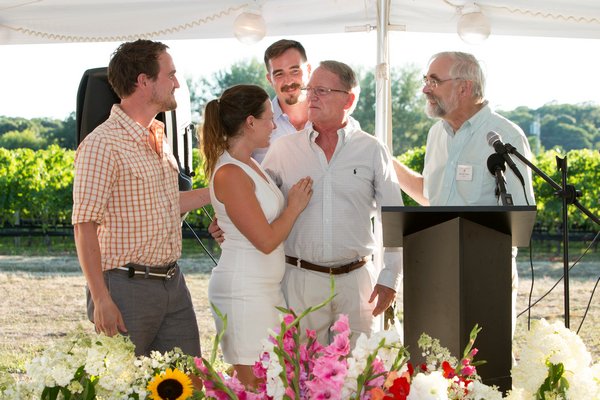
(505, 198)
(495, 163)
(569, 195)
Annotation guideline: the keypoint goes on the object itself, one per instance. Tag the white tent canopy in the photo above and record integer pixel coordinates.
(67, 21)
(54, 21)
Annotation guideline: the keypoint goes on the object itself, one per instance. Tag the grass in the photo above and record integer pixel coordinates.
(44, 297)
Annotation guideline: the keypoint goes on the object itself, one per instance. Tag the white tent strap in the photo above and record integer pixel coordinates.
(121, 38)
(532, 13)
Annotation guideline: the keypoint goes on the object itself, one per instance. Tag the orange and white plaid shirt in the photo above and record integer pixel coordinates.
(130, 191)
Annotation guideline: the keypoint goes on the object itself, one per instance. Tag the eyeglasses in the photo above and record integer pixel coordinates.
(321, 91)
(434, 83)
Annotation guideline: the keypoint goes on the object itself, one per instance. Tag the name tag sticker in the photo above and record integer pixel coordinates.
(464, 173)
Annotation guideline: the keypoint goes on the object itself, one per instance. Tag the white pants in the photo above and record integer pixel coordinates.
(303, 288)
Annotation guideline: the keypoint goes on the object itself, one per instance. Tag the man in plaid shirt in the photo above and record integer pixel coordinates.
(127, 209)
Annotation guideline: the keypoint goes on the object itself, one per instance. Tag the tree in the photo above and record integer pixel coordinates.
(562, 132)
(242, 72)
(64, 133)
(23, 139)
(409, 122)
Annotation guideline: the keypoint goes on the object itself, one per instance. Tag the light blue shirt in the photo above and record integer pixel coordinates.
(284, 128)
(456, 172)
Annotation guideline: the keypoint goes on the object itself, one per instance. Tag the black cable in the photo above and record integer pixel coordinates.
(198, 239)
(532, 283)
(588, 306)
(561, 278)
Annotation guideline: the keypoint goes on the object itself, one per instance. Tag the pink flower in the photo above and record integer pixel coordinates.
(320, 390)
(340, 347)
(378, 369)
(341, 325)
(330, 370)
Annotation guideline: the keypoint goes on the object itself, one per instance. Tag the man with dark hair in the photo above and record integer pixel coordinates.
(127, 209)
(287, 71)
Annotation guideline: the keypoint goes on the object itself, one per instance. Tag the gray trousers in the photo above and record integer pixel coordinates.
(158, 313)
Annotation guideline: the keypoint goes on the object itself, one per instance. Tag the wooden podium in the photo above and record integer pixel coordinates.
(457, 273)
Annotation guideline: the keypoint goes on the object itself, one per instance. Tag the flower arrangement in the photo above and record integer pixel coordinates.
(86, 366)
(554, 364)
(377, 368)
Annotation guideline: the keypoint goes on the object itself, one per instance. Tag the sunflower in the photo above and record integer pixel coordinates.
(171, 384)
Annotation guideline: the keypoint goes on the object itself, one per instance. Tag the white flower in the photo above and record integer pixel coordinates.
(479, 391)
(555, 344)
(431, 386)
(519, 394)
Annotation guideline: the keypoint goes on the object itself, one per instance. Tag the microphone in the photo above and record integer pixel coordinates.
(495, 164)
(495, 140)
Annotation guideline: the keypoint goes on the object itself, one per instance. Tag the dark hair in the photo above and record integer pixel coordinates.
(280, 47)
(130, 60)
(224, 117)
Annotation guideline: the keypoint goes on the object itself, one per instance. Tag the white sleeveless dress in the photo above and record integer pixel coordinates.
(246, 283)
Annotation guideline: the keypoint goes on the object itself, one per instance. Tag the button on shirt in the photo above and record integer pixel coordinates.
(456, 172)
(130, 191)
(284, 128)
(335, 228)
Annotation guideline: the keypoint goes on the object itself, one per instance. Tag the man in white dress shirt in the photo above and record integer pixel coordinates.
(287, 71)
(353, 177)
(455, 171)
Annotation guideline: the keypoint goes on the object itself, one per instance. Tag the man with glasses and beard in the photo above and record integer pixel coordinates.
(455, 170)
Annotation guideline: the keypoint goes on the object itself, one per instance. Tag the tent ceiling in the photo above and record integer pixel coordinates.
(54, 21)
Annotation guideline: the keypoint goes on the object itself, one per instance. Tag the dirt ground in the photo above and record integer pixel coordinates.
(43, 298)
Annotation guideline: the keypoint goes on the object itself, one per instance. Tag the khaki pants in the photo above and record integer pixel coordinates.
(303, 288)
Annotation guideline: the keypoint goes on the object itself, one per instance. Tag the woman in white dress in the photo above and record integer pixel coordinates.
(246, 283)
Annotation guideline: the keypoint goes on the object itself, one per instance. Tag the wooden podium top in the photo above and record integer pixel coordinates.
(516, 221)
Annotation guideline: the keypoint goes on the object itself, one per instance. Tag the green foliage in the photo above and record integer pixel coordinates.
(409, 122)
(27, 138)
(564, 126)
(583, 172)
(37, 133)
(415, 160)
(555, 385)
(242, 72)
(37, 186)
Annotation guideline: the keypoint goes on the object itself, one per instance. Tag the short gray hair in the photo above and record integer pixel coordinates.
(347, 78)
(466, 66)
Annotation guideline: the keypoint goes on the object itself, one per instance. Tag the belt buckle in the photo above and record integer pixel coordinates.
(171, 272)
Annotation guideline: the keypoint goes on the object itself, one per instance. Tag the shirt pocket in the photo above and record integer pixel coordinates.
(470, 190)
(360, 180)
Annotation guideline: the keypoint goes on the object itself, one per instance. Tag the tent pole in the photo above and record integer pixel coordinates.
(383, 93)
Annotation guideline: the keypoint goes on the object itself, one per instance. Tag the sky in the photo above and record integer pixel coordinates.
(42, 80)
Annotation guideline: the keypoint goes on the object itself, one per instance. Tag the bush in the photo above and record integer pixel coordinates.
(36, 187)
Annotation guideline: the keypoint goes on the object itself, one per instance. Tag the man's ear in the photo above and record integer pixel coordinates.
(350, 102)
(466, 88)
(142, 80)
(268, 76)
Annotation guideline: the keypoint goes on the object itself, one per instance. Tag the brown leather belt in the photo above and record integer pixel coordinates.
(342, 269)
(165, 272)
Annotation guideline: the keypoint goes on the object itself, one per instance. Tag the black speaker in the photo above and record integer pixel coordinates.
(95, 98)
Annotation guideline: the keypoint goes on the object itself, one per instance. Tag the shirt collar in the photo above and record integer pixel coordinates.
(473, 123)
(344, 133)
(135, 130)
